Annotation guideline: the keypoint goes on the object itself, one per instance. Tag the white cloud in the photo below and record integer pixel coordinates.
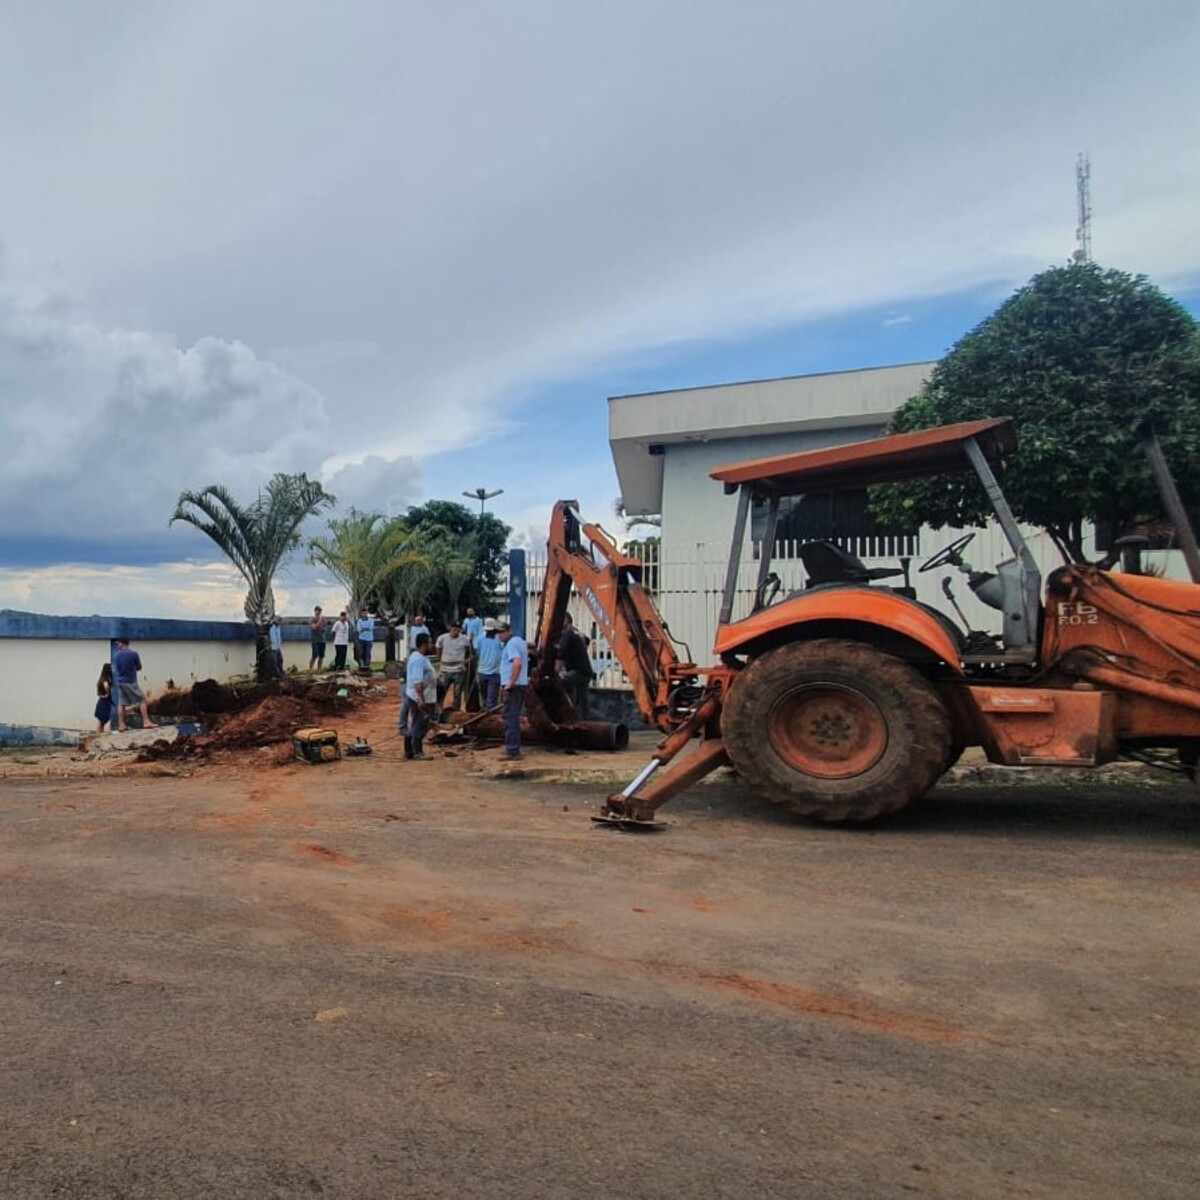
(376, 229)
(377, 484)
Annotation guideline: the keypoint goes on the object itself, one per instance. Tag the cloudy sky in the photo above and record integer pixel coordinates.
(411, 248)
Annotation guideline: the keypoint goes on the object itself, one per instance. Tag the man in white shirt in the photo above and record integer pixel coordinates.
(454, 651)
(514, 679)
(341, 641)
(420, 693)
(417, 628)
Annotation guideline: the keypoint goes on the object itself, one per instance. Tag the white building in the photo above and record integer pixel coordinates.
(664, 444)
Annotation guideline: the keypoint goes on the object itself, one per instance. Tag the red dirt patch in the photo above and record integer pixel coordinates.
(853, 1009)
(334, 858)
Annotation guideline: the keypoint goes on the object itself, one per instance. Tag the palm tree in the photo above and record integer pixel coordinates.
(257, 539)
(363, 551)
(456, 566)
(406, 590)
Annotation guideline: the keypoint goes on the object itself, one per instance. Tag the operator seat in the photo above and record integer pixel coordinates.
(826, 563)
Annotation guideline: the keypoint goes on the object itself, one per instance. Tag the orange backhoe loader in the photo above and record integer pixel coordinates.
(848, 699)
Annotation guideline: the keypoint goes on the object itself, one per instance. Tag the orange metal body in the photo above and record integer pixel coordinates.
(1118, 661)
(609, 582)
(877, 460)
(882, 611)
(1051, 726)
(1134, 634)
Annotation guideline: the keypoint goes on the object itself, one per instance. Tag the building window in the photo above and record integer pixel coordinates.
(843, 518)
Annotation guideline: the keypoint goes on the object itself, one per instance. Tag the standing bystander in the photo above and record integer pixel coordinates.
(514, 677)
(575, 665)
(366, 638)
(316, 632)
(126, 665)
(104, 697)
(472, 626)
(454, 651)
(341, 641)
(417, 628)
(487, 660)
(276, 636)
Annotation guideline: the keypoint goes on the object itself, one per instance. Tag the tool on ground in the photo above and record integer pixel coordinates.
(455, 731)
(359, 749)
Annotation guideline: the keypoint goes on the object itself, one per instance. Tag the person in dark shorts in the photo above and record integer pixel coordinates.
(126, 665)
(317, 628)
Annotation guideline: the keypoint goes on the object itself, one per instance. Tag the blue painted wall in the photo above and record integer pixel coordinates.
(136, 629)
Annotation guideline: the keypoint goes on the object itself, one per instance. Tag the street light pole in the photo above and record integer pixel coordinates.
(483, 496)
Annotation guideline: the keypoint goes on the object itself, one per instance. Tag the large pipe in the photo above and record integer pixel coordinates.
(578, 735)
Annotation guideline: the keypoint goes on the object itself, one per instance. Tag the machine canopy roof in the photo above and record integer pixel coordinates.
(877, 460)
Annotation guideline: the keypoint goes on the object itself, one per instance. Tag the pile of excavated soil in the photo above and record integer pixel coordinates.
(269, 719)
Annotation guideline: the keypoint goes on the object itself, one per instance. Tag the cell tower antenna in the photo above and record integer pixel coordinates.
(1083, 199)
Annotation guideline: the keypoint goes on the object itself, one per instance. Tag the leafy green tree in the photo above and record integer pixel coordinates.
(257, 538)
(446, 523)
(1083, 359)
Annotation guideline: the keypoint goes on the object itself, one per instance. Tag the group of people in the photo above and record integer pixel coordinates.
(484, 647)
(498, 658)
(118, 687)
(481, 652)
(343, 635)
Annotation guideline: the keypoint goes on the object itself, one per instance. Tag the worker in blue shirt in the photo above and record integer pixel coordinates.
(488, 651)
(366, 638)
(472, 626)
(514, 679)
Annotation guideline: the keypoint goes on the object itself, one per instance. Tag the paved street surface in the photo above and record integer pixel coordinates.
(380, 979)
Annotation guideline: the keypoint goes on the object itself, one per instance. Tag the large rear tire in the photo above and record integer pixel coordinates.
(836, 730)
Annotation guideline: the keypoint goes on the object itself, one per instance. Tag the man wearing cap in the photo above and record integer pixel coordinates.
(316, 633)
(514, 679)
(488, 650)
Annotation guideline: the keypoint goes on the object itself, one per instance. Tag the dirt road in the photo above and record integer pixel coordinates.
(383, 979)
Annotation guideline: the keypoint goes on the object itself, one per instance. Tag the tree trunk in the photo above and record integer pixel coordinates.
(389, 650)
(265, 667)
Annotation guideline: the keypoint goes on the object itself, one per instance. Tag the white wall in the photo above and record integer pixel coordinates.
(695, 509)
(52, 681)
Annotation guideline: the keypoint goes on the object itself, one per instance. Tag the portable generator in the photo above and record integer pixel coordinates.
(316, 745)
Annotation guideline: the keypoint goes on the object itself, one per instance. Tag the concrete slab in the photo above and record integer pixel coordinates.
(132, 739)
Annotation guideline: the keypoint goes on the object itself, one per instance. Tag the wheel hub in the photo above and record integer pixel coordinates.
(828, 730)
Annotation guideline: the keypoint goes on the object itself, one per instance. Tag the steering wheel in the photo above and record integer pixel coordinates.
(947, 554)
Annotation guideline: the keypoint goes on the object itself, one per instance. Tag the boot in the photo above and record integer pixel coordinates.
(408, 746)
